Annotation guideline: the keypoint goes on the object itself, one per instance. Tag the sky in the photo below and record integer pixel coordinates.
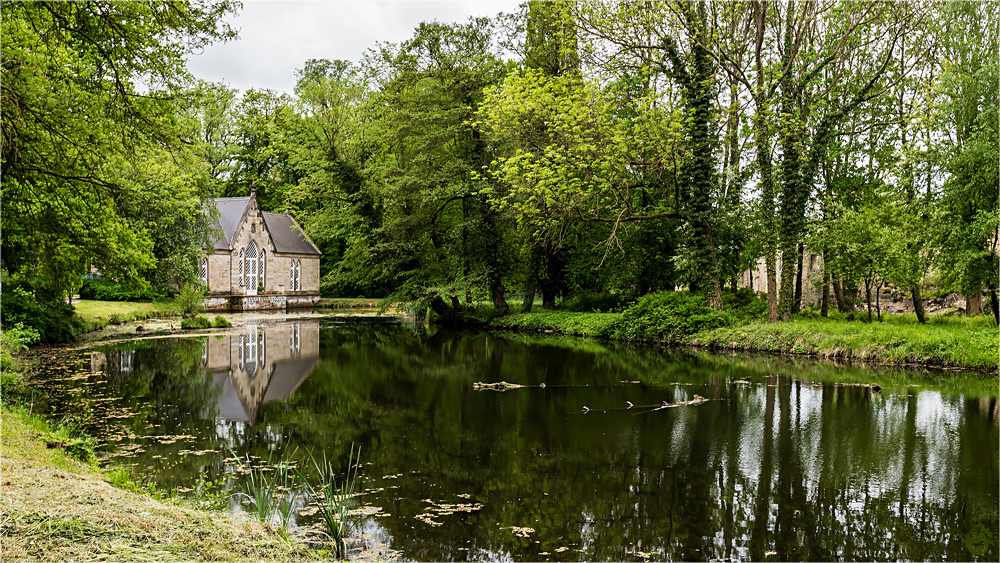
(277, 37)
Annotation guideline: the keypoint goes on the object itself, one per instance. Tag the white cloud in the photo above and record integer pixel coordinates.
(277, 37)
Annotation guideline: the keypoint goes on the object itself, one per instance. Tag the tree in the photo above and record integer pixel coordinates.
(87, 85)
(438, 239)
(968, 227)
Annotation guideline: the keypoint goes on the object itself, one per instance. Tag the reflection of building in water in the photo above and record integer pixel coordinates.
(260, 364)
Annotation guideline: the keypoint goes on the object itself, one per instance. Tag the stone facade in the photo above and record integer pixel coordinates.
(237, 276)
(812, 277)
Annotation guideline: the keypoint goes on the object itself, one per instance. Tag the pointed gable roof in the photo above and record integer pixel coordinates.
(231, 213)
(285, 233)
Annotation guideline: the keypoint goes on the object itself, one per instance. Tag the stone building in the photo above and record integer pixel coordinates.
(812, 277)
(261, 260)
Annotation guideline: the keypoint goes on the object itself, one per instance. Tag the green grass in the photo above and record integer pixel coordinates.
(58, 509)
(945, 341)
(970, 342)
(99, 314)
(348, 303)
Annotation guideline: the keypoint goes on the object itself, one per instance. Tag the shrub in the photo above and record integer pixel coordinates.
(586, 302)
(191, 300)
(50, 317)
(221, 321)
(669, 316)
(107, 290)
(196, 322)
(15, 338)
(746, 304)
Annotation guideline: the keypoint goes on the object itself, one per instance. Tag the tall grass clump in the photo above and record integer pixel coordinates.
(270, 490)
(334, 498)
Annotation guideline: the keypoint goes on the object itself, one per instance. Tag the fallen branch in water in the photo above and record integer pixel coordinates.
(697, 400)
(501, 386)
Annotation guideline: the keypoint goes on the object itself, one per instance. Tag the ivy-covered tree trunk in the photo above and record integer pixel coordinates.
(762, 140)
(697, 78)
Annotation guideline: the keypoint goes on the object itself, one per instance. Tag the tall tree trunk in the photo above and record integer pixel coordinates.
(995, 305)
(918, 304)
(868, 297)
(878, 302)
(838, 291)
(825, 311)
(790, 135)
(500, 307)
(531, 279)
(974, 303)
(797, 304)
(762, 140)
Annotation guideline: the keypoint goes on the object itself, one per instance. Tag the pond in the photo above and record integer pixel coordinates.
(607, 452)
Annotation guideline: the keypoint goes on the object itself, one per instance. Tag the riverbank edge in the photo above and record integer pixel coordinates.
(885, 344)
(56, 508)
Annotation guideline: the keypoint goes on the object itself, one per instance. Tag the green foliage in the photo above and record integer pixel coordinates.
(196, 322)
(107, 290)
(191, 299)
(221, 322)
(669, 316)
(586, 302)
(15, 338)
(48, 315)
(598, 325)
(75, 121)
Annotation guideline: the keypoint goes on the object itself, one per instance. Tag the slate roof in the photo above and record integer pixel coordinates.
(230, 212)
(286, 234)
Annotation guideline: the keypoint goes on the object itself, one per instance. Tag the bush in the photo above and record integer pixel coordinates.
(107, 290)
(15, 338)
(746, 304)
(669, 316)
(221, 321)
(596, 302)
(196, 322)
(191, 300)
(50, 317)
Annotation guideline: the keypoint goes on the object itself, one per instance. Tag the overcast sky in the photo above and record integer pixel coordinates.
(277, 37)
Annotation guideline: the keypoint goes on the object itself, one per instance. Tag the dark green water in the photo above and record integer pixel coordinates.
(787, 460)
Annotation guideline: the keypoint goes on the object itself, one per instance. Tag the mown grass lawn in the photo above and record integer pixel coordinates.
(58, 509)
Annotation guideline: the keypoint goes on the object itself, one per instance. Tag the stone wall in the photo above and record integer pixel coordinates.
(219, 278)
(812, 278)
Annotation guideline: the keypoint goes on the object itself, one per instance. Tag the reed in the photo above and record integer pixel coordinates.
(270, 489)
(333, 496)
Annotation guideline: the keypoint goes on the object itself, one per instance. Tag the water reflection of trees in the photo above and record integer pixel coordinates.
(809, 470)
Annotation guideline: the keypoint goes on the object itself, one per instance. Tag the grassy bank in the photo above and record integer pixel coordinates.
(965, 342)
(953, 341)
(56, 508)
(98, 314)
